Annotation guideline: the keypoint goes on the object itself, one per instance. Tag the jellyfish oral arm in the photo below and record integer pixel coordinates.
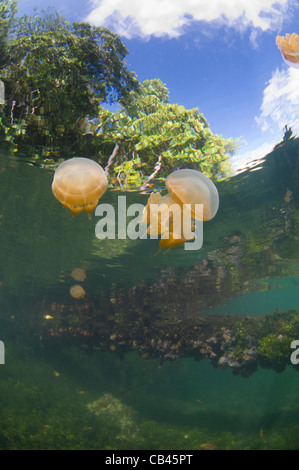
(197, 241)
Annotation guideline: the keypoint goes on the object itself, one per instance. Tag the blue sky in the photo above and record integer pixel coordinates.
(217, 55)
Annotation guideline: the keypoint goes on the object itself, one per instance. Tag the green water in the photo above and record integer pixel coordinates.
(284, 295)
(48, 383)
(181, 405)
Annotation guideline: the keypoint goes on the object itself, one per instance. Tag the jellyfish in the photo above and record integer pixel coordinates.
(77, 291)
(78, 274)
(78, 184)
(185, 187)
(289, 48)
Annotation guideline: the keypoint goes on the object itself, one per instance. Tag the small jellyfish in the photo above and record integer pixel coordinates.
(78, 274)
(78, 184)
(289, 48)
(185, 187)
(77, 291)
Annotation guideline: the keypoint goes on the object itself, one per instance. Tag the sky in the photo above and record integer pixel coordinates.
(219, 56)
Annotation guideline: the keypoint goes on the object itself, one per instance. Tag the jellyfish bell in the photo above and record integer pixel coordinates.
(193, 187)
(289, 48)
(77, 291)
(78, 184)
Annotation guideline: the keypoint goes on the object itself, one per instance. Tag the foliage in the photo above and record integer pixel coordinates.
(275, 351)
(7, 12)
(148, 129)
(7, 134)
(57, 76)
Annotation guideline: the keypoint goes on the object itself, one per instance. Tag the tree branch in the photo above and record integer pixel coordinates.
(111, 158)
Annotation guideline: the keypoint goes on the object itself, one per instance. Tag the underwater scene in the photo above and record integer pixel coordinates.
(149, 232)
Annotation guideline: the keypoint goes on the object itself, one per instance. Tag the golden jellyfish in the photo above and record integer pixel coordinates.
(78, 184)
(289, 47)
(77, 291)
(185, 187)
(78, 274)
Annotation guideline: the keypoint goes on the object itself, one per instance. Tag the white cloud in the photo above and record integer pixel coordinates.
(280, 104)
(280, 107)
(145, 18)
(244, 160)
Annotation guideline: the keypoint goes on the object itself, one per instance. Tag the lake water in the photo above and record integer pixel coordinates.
(114, 370)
